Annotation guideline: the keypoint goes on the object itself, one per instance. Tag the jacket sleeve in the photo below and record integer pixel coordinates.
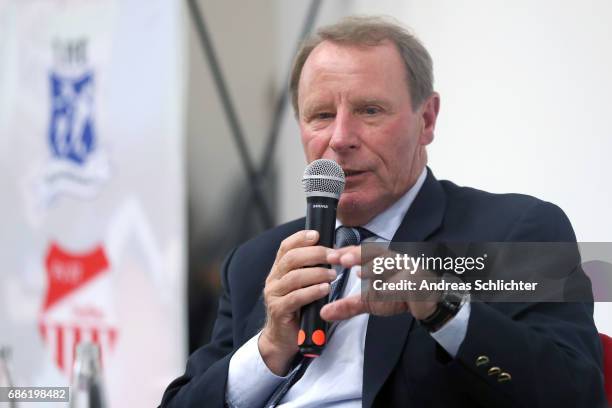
(532, 355)
(203, 383)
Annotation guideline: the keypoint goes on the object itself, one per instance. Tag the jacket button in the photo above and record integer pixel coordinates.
(494, 370)
(503, 377)
(482, 360)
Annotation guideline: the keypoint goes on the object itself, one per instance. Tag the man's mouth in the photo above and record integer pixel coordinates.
(353, 173)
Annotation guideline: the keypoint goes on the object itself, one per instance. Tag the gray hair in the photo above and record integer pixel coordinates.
(371, 31)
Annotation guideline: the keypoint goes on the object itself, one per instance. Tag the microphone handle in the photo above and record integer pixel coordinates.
(321, 217)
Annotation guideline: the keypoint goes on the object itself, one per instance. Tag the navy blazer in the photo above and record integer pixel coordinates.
(551, 350)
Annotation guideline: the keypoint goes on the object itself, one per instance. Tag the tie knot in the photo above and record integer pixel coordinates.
(346, 236)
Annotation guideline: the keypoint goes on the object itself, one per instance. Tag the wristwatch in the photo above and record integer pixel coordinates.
(448, 306)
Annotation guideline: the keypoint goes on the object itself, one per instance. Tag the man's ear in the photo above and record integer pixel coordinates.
(429, 113)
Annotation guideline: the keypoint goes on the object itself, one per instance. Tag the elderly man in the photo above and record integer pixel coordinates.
(363, 96)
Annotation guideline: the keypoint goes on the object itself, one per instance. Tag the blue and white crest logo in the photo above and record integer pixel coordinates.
(77, 164)
(71, 132)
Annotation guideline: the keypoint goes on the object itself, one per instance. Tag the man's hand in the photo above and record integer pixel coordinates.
(356, 304)
(291, 284)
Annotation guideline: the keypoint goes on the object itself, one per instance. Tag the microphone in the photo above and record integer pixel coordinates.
(323, 183)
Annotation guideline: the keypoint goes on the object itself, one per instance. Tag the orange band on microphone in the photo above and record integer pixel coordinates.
(318, 337)
(301, 337)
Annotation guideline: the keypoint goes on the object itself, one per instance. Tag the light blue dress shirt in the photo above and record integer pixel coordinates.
(335, 377)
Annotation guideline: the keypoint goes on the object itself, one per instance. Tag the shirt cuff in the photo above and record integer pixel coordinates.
(451, 335)
(249, 381)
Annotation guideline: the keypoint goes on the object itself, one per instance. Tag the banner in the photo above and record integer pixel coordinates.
(92, 209)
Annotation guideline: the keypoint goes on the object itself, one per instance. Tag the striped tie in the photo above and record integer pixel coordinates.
(346, 236)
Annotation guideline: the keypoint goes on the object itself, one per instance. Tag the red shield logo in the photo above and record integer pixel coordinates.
(77, 304)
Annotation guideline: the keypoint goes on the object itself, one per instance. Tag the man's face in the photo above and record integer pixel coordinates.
(355, 108)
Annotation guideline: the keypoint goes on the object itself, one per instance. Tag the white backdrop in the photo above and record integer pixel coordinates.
(91, 174)
(525, 89)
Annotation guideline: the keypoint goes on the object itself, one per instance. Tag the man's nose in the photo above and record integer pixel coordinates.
(345, 135)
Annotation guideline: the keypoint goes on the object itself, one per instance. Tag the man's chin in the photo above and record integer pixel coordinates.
(350, 200)
(353, 208)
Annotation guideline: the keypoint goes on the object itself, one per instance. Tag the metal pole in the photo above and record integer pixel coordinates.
(230, 112)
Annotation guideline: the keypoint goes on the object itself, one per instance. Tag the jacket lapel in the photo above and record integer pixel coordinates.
(386, 336)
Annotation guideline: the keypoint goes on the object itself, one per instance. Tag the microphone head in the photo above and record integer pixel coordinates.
(323, 178)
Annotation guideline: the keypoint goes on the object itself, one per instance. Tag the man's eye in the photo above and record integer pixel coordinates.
(324, 115)
(370, 110)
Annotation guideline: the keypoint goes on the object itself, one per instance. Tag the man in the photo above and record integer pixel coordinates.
(363, 96)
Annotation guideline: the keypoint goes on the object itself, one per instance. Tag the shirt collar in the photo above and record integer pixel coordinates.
(387, 222)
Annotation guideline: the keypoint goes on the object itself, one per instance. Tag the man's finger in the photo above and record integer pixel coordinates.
(375, 250)
(301, 258)
(354, 255)
(301, 297)
(301, 278)
(297, 240)
(347, 257)
(343, 309)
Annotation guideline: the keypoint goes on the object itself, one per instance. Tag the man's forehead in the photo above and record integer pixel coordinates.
(342, 62)
(332, 58)
(330, 51)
